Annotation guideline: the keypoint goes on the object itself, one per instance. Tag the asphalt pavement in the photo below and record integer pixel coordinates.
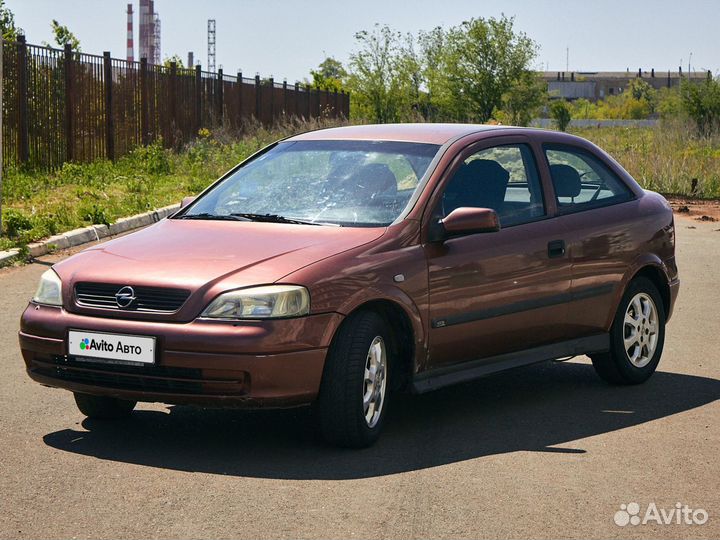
(547, 451)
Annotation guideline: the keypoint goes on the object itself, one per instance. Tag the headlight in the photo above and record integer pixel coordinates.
(269, 302)
(49, 290)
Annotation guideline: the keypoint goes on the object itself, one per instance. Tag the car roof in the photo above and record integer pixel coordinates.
(420, 133)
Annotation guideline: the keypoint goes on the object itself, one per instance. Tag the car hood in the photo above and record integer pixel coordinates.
(206, 257)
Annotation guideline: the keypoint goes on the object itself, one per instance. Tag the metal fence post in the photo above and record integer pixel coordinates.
(258, 100)
(23, 150)
(219, 98)
(198, 98)
(285, 97)
(144, 112)
(109, 123)
(296, 100)
(309, 99)
(69, 104)
(173, 104)
(272, 100)
(239, 98)
(2, 53)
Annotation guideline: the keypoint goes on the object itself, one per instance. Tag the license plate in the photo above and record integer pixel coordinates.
(106, 347)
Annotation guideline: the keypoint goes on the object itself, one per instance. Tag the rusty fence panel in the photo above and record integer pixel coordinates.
(62, 105)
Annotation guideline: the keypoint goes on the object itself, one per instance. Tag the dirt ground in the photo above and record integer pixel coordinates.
(697, 209)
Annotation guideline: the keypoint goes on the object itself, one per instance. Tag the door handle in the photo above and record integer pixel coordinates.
(556, 248)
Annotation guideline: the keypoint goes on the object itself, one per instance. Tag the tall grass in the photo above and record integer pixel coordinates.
(665, 158)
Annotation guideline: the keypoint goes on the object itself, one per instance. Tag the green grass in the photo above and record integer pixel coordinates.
(36, 205)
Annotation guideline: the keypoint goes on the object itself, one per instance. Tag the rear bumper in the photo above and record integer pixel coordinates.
(203, 363)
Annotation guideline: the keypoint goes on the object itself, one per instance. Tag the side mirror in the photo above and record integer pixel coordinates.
(186, 201)
(467, 220)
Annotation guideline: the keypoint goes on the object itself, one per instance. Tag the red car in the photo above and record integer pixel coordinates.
(336, 267)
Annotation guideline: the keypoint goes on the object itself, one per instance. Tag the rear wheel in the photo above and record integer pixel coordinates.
(352, 403)
(103, 407)
(637, 336)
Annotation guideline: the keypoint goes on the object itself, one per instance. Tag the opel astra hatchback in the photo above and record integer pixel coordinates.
(337, 267)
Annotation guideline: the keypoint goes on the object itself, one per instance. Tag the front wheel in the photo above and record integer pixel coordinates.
(637, 336)
(103, 407)
(353, 398)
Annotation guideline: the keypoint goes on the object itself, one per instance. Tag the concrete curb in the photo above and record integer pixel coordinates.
(92, 233)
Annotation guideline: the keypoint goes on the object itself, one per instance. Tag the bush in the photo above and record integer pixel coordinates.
(15, 223)
(701, 102)
(153, 159)
(560, 113)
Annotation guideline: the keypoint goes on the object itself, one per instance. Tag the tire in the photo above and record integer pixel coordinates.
(351, 408)
(645, 335)
(103, 407)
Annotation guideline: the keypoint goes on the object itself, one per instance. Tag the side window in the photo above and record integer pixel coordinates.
(503, 178)
(581, 180)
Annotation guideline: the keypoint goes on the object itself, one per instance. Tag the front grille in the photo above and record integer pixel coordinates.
(154, 299)
(157, 379)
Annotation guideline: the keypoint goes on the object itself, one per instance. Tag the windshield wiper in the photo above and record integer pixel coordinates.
(274, 218)
(208, 216)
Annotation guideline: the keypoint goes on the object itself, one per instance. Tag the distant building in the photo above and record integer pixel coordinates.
(596, 85)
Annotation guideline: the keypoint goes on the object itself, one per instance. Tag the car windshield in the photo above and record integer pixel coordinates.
(347, 183)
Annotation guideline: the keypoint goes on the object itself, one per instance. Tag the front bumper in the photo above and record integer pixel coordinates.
(249, 364)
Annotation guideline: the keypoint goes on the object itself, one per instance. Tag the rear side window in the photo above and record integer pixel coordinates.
(580, 180)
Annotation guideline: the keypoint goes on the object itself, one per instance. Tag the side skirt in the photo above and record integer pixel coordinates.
(467, 371)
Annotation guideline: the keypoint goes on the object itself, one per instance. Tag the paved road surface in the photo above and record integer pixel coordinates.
(546, 451)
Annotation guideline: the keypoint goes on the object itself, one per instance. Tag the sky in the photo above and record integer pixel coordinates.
(287, 38)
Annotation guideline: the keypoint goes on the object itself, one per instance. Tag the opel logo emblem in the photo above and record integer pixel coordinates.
(125, 297)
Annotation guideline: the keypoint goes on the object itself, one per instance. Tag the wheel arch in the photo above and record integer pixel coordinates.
(403, 331)
(651, 269)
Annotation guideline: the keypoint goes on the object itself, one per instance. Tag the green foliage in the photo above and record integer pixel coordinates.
(639, 90)
(7, 23)
(701, 102)
(461, 74)
(669, 103)
(154, 159)
(330, 75)
(560, 113)
(483, 60)
(15, 223)
(381, 76)
(173, 59)
(94, 214)
(63, 36)
(522, 102)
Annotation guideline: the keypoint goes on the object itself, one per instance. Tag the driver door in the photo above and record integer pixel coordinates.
(504, 291)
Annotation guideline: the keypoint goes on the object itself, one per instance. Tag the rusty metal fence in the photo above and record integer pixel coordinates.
(60, 105)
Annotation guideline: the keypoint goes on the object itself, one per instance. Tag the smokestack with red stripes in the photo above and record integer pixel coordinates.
(130, 44)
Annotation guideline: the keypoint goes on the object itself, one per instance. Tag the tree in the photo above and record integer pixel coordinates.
(484, 58)
(560, 113)
(521, 103)
(63, 36)
(7, 23)
(330, 75)
(381, 75)
(701, 102)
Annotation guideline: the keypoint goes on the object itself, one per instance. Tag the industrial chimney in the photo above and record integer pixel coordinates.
(130, 44)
